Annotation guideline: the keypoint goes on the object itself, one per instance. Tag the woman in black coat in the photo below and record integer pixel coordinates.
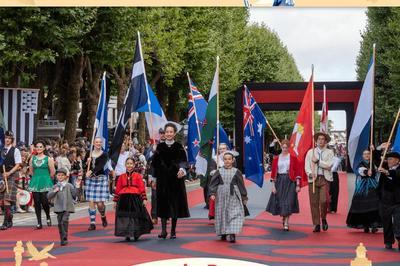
(169, 165)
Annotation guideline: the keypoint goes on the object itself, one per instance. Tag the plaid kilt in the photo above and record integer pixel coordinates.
(12, 189)
(96, 188)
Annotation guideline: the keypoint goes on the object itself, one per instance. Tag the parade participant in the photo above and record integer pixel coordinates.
(169, 164)
(318, 165)
(42, 170)
(131, 216)
(334, 185)
(364, 208)
(97, 184)
(285, 178)
(154, 218)
(9, 168)
(389, 195)
(120, 166)
(63, 195)
(229, 192)
(212, 166)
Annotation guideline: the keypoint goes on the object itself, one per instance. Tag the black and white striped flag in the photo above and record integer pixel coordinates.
(19, 107)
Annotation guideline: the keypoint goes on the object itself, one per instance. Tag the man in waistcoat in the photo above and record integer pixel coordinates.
(9, 172)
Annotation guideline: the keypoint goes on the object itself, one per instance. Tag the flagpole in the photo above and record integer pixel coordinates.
(373, 107)
(194, 106)
(217, 152)
(273, 133)
(312, 122)
(94, 124)
(390, 138)
(147, 88)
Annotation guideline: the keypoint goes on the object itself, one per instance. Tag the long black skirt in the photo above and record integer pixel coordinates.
(285, 201)
(131, 217)
(364, 211)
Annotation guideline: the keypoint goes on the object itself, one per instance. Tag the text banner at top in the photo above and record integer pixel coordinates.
(188, 3)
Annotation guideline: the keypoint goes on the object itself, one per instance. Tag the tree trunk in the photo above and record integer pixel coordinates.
(122, 84)
(92, 96)
(142, 128)
(173, 96)
(52, 81)
(74, 86)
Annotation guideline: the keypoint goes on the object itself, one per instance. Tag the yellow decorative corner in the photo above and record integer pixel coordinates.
(361, 257)
(18, 251)
(33, 252)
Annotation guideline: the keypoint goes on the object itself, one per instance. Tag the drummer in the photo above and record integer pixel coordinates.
(9, 169)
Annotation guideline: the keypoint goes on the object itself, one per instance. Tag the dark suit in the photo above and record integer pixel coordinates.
(389, 196)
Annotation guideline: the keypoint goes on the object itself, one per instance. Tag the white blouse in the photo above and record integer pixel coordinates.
(283, 164)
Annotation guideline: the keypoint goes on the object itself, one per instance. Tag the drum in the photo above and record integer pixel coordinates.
(24, 197)
(2, 186)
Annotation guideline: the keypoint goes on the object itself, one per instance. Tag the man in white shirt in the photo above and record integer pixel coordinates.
(9, 168)
(318, 166)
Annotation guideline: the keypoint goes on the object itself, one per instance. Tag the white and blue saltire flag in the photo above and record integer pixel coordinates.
(135, 98)
(360, 131)
(101, 123)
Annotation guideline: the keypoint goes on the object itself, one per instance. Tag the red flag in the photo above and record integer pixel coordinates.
(323, 125)
(302, 136)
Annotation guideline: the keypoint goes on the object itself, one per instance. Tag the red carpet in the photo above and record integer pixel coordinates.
(262, 241)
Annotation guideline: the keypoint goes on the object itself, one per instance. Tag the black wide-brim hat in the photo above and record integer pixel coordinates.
(327, 137)
(393, 154)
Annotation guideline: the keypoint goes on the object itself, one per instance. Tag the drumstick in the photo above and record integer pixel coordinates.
(5, 179)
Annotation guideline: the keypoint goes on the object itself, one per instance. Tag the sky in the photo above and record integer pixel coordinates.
(329, 38)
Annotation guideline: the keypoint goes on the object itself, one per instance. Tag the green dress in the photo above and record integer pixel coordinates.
(41, 180)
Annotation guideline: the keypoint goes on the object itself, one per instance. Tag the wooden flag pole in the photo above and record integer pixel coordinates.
(312, 123)
(372, 111)
(273, 133)
(390, 137)
(217, 149)
(5, 179)
(147, 88)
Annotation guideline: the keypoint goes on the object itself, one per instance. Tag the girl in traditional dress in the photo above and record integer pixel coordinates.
(131, 216)
(169, 167)
(364, 209)
(42, 170)
(229, 192)
(97, 184)
(285, 178)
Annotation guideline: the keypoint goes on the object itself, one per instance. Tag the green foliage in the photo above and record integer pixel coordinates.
(383, 28)
(174, 41)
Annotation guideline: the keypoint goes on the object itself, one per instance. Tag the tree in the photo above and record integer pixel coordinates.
(382, 29)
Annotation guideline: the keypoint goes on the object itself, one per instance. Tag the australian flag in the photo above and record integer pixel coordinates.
(136, 97)
(254, 123)
(196, 115)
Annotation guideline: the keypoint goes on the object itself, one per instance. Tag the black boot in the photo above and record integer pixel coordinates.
(7, 223)
(173, 228)
(324, 225)
(163, 229)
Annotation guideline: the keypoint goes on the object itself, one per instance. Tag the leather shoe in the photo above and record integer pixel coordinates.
(324, 225)
(317, 228)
